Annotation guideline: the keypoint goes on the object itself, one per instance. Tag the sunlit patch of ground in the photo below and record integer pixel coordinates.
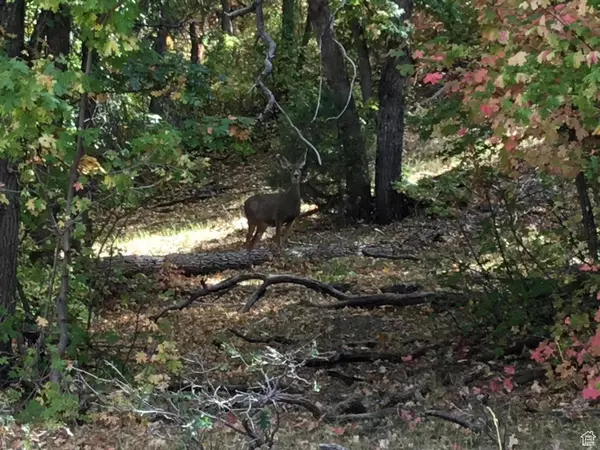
(218, 232)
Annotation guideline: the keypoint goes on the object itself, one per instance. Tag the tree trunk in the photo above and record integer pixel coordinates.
(354, 156)
(212, 262)
(197, 52)
(390, 131)
(59, 34)
(364, 63)
(587, 214)
(226, 22)
(288, 24)
(12, 20)
(303, 44)
(160, 47)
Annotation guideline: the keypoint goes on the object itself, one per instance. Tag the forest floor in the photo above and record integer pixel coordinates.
(415, 358)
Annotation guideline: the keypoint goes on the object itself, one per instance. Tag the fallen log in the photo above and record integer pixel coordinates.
(211, 262)
(189, 264)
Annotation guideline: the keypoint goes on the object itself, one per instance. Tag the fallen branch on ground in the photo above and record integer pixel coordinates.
(346, 300)
(477, 426)
(357, 357)
(266, 340)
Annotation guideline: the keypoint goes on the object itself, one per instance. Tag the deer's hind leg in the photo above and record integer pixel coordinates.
(260, 230)
(249, 234)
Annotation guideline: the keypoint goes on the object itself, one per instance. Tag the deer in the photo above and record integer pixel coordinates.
(276, 209)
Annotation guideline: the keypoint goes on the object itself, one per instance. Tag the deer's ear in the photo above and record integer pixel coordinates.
(302, 161)
(283, 162)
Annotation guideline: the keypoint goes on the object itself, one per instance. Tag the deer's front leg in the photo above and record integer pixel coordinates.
(278, 234)
(286, 231)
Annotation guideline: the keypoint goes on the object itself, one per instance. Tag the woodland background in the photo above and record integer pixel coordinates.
(440, 289)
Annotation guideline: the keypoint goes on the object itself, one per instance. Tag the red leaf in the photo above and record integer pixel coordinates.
(591, 392)
(78, 186)
(433, 78)
(480, 76)
(462, 132)
(439, 57)
(230, 418)
(488, 109)
(508, 384)
(407, 358)
(597, 316)
(503, 37)
(568, 19)
(511, 144)
(418, 54)
(337, 430)
(494, 385)
(509, 370)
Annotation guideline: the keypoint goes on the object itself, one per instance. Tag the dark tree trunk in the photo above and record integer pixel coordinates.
(364, 63)
(390, 132)
(226, 22)
(160, 47)
(305, 39)
(587, 213)
(59, 35)
(354, 156)
(288, 24)
(197, 52)
(12, 20)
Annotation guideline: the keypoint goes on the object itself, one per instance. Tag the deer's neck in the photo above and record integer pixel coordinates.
(294, 192)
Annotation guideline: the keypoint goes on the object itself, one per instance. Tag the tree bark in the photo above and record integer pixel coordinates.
(390, 131)
(587, 214)
(303, 44)
(160, 47)
(288, 23)
(12, 20)
(364, 63)
(226, 22)
(354, 156)
(197, 52)
(59, 35)
(212, 262)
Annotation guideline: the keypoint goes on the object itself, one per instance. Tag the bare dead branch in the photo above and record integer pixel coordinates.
(330, 28)
(346, 300)
(243, 11)
(331, 447)
(477, 426)
(358, 357)
(267, 340)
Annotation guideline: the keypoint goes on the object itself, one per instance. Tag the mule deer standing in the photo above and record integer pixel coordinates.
(275, 210)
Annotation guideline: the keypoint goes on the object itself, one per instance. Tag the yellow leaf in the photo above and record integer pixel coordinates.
(109, 181)
(111, 47)
(46, 141)
(596, 132)
(30, 204)
(518, 59)
(41, 321)
(521, 78)
(3, 199)
(90, 165)
(45, 80)
(499, 82)
(141, 357)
